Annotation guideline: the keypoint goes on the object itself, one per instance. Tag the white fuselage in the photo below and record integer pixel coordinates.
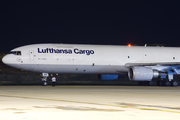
(91, 59)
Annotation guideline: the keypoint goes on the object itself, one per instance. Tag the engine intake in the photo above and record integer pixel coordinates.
(142, 74)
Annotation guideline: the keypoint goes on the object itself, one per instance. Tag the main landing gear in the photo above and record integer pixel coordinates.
(167, 79)
(167, 83)
(173, 83)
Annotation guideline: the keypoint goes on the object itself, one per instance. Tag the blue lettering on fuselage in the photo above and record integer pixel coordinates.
(87, 52)
(66, 51)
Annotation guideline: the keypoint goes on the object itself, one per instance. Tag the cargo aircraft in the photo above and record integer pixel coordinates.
(141, 63)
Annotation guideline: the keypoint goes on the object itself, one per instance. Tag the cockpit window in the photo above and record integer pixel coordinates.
(15, 52)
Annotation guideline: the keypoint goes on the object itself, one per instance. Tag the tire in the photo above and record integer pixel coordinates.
(150, 83)
(166, 83)
(174, 83)
(45, 83)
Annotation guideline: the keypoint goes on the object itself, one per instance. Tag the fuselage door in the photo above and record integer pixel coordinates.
(31, 55)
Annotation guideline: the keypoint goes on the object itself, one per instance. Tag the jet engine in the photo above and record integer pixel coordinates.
(108, 77)
(142, 74)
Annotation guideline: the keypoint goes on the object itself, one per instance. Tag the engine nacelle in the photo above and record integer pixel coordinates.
(108, 77)
(142, 74)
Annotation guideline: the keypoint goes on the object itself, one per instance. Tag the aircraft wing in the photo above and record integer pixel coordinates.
(161, 67)
(153, 64)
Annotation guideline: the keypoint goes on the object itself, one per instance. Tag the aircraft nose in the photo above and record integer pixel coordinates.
(6, 59)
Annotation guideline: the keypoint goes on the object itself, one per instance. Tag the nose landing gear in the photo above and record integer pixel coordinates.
(44, 79)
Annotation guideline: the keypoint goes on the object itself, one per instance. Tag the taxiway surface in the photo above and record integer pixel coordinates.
(89, 103)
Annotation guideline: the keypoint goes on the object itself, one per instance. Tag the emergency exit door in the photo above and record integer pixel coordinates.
(31, 55)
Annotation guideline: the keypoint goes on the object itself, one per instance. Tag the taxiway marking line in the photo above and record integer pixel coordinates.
(140, 108)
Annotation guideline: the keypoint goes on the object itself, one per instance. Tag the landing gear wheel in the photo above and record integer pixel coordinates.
(174, 83)
(45, 83)
(150, 83)
(159, 83)
(166, 83)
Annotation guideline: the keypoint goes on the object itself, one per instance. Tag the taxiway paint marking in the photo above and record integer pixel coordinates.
(140, 108)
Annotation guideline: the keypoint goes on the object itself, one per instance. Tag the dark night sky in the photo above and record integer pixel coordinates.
(132, 21)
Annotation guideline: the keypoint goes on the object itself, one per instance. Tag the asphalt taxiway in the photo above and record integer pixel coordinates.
(89, 103)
